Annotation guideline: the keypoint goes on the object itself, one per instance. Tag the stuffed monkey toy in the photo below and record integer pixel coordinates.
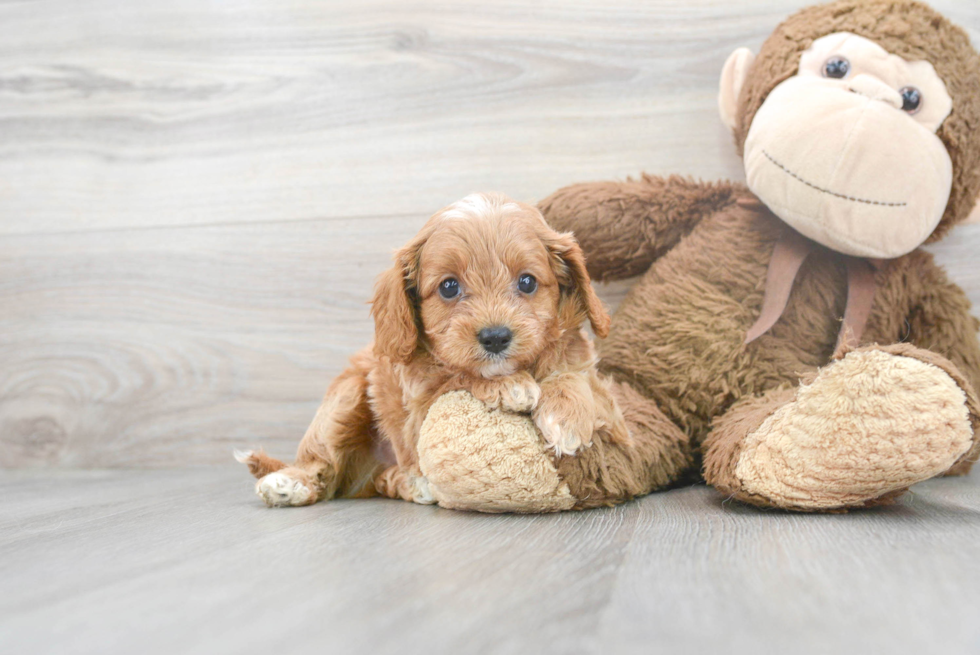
(786, 337)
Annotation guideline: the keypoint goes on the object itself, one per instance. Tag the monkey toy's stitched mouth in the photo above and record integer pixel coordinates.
(828, 191)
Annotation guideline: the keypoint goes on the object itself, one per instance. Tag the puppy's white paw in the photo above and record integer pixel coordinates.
(421, 493)
(521, 396)
(557, 434)
(279, 490)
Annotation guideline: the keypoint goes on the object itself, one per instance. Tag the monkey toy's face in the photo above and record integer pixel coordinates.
(846, 151)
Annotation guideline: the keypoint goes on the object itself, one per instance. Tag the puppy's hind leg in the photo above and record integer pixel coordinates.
(258, 462)
(335, 456)
(400, 482)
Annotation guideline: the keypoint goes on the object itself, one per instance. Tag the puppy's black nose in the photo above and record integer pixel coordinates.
(495, 339)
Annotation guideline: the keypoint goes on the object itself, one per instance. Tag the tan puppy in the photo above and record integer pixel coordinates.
(486, 298)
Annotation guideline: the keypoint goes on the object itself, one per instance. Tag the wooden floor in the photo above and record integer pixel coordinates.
(195, 198)
(190, 561)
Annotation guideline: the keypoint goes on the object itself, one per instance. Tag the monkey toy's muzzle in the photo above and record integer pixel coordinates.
(843, 165)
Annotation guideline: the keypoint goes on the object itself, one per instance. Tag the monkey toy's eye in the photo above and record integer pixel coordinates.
(836, 68)
(449, 288)
(526, 283)
(911, 99)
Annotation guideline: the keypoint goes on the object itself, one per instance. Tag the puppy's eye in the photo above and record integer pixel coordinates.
(449, 288)
(836, 68)
(911, 99)
(526, 283)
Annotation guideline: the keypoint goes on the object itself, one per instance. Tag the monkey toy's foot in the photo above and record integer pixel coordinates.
(487, 460)
(867, 427)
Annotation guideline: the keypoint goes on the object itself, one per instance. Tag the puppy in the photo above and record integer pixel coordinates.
(486, 298)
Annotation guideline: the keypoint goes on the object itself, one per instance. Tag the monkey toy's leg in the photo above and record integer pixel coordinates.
(938, 319)
(862, 431)
(475, 458)
(623, 227)
(335, 456)
(637, 451)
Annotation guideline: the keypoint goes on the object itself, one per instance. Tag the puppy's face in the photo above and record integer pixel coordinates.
(491, 286)
(487, 293)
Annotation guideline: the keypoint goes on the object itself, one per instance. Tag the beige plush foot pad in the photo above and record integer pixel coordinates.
(869, 424)
(487, 460)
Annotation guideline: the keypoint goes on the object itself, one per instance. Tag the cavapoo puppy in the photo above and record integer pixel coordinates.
(486, 298)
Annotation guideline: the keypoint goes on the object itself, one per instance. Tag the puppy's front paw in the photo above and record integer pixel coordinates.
(279, 490)
(520, 395)
(563, 435)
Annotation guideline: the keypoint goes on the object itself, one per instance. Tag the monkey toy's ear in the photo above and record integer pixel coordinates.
(732, 78)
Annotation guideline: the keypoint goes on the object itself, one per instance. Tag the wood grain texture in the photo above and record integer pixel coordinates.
(164, 347)
(195, 197)
(119, 114)
(190, 562)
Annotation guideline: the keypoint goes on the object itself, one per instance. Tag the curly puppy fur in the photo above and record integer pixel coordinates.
(427, 344)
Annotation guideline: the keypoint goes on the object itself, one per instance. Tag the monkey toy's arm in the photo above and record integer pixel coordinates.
(624, 226)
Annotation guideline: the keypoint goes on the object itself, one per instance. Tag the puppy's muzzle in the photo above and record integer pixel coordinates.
(496, 339)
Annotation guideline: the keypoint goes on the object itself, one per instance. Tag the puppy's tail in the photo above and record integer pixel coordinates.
(259, 464)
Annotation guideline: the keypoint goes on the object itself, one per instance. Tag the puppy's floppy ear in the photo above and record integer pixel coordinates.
(395, 306)
(569, 265)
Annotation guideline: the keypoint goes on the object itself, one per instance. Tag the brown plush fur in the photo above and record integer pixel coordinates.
(427, 345)
(677, 340)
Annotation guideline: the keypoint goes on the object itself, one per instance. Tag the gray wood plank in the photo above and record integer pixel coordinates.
(120, 114)
(191, 562)
(169, 347)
